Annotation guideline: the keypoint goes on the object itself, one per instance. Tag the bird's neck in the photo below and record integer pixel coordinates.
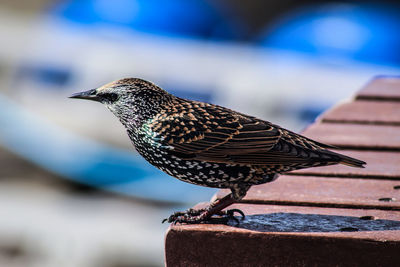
(141, 114)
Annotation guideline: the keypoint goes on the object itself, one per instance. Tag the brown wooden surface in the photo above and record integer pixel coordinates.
(382, 88)
(328, 192)
(356, 136)
(198, 246)
(368, 224)
(363, 111)
(269, 236)
(327, 216)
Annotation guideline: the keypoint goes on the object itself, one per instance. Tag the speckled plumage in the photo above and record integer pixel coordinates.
(206, 144)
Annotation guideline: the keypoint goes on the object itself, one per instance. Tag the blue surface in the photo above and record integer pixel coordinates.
(45, 74)
(358, 32)
(194, 18)
(89, 162)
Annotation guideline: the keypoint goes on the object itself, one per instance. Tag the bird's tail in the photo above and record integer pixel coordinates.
(352, 162)
(343, 159)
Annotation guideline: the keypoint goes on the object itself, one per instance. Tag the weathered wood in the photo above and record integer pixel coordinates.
(325, 192)
(365, 112)
(356, 136)
(270, 236)
(382, 88)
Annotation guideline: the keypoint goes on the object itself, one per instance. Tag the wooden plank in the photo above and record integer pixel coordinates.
(380, 164)
(289, 236)
(361, 111)
(357, 136)
(382, 88)
(325, 192)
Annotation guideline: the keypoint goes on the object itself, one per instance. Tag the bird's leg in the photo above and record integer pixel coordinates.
(215, 208)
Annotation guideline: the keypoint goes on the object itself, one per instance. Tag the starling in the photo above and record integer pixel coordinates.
(208, 145)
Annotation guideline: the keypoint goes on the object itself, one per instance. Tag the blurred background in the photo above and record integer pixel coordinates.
(73, 192)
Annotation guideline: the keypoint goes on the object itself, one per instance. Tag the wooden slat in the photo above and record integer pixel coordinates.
(356, 135)
(361, 111)
(383, 88)
(380, 164)
(269, 236)
(328, 192)
(359, 214)
(306, 220)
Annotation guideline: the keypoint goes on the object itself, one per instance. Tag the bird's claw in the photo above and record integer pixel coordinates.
(227, 215)
(193, 216)
(230, 214)
(190, 213)
(189, 216)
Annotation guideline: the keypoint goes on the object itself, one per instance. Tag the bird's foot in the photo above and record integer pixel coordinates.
(188, 213)
(189, 216)
(193, 216)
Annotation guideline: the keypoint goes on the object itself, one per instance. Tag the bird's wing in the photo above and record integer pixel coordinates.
(196, 130)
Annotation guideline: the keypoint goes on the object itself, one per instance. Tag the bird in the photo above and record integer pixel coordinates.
(207, 144)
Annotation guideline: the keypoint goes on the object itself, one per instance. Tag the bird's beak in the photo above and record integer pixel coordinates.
(90, 95)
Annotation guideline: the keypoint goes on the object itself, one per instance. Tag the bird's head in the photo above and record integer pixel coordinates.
(132, 100)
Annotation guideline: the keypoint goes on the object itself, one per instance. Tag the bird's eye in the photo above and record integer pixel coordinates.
(110, 97)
